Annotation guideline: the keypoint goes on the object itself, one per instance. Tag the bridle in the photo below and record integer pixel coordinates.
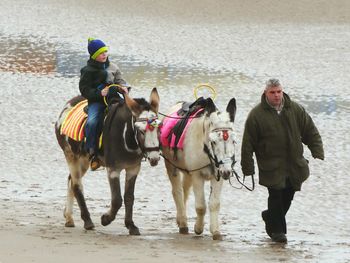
(151, 124)
(211, 153)
(215, 161)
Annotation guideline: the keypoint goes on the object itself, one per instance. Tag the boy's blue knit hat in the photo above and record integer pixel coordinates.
(96, 47)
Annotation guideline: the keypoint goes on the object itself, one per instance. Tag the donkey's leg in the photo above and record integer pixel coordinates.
(178, 195)
(186, 185)
(76, 186)
(198, 189)
(214, 208)
(75, 189)
(72, 163)
(130, 180)
(68, 210)
(116, 197)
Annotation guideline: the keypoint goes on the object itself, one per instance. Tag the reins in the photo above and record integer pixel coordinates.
(179, 117)
(213, 160)
(183, 169)
(108, 87)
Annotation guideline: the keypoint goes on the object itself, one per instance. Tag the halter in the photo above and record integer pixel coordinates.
(152, 123)
(213, 158)
(217, 163)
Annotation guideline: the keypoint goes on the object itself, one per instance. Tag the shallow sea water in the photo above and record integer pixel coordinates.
(43, 51)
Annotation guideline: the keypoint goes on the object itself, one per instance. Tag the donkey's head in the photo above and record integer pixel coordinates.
(221, 139)
(146, 115)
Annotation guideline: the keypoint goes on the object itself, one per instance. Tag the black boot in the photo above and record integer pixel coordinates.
(279, 237)
(264, 215)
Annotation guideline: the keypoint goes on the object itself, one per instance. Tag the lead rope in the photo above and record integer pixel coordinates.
(234, 173)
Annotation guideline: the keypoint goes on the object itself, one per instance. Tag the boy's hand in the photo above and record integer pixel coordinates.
(104, 91)
(124, 89)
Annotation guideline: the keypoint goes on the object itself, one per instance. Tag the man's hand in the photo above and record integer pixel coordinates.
(318, 156)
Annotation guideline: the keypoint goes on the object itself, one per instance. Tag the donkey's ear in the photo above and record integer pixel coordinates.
(135, 108)
(231, 109)
(210, 106)
(154, 100)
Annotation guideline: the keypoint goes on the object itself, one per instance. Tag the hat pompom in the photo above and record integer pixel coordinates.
(90, 39)
(96, 47)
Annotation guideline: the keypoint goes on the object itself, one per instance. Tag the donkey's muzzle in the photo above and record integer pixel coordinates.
(153, 158)
(226, 167)
(225, 174)
(152, 155)
(153, 161)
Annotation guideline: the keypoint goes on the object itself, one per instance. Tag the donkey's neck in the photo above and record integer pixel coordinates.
(198, 133)
(130, 135)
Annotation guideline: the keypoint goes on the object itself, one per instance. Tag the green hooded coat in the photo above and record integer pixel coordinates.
(277, 141)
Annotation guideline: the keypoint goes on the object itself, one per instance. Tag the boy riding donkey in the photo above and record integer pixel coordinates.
(94, 83)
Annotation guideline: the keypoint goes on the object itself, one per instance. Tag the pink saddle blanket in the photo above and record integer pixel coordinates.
(167, 137)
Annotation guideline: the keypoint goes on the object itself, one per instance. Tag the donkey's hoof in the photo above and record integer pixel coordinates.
(183, 230)
(88, 225)
(217, 236)
(134, 231)
(70, 224)
(198, 230)
(106, 219)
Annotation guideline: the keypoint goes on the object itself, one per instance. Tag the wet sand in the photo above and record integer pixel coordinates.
(236, 45)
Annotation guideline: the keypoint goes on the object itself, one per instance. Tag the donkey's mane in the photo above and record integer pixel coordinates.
(115, 103)
(144, 103)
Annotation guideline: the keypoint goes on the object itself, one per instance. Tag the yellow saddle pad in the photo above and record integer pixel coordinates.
(74, 123)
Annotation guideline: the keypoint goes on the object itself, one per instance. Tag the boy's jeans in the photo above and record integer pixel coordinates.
(93, 127)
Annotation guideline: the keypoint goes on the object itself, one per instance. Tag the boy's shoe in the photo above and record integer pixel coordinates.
(279, 237)
(95, 163)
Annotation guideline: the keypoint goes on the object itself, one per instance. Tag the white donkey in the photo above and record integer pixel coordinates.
(206, 152)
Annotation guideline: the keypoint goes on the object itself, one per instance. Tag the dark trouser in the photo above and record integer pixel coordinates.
(93, 127)
(278, 205)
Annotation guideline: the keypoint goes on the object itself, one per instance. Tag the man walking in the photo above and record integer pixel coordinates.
(275, 131)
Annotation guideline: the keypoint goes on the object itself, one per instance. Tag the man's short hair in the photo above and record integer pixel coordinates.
(272, 83)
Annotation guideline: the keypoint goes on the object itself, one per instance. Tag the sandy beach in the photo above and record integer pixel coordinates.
(173, 45)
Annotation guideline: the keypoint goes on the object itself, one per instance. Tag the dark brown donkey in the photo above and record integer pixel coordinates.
(130, 133)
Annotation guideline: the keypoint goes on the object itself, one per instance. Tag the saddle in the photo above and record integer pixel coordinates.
(74, 123)
(188, 108)
(175, 126)
(186, 111)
